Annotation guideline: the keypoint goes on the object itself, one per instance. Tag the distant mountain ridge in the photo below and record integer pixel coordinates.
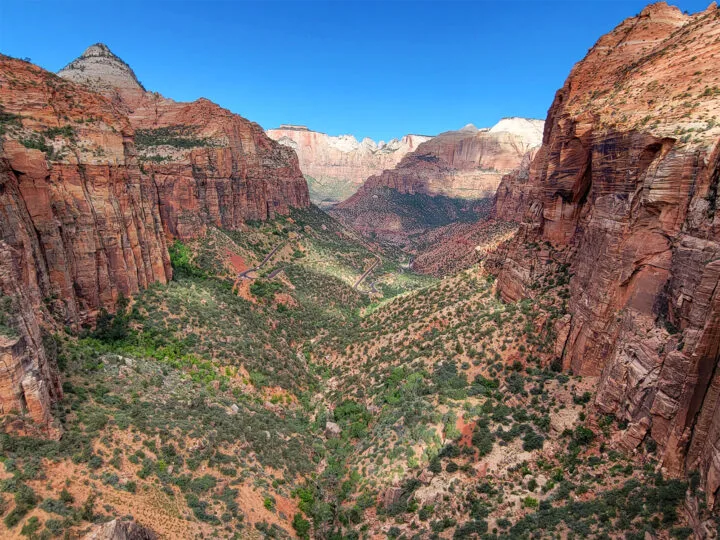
(458, 167)
(335, 166)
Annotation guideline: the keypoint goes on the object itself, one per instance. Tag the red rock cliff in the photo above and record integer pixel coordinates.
(440, 182)
(468, 163)
(210, 166)
(79, 221)
(626, 187)
(94, 174)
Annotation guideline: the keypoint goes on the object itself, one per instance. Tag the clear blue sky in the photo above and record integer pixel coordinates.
(370, 69)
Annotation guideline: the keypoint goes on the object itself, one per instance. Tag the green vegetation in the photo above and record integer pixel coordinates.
(300, 390)
(418, 211)
(9, 121)
(180, 136)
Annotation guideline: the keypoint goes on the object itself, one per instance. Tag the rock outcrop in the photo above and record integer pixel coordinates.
(625, 191)
(443, 178)
(465, 164)
(210, 166)
(336, 166)
(101, 71)
(120, 530)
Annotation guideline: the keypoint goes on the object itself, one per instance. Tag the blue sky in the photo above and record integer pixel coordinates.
(370, 69)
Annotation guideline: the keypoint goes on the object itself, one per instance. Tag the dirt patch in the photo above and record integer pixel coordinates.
(466, 432)
(242, 288)
(237, 262)
(252, 504)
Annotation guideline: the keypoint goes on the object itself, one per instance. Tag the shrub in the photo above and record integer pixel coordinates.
(515, 383)
(178, 136)
(25, 500)
(111, 328)
(265, 289)
(180, 258)
(532, 441)
(483, 439)
(31, 527)
(466, 530)
(425, 512)
(301, 526)
(583, 436)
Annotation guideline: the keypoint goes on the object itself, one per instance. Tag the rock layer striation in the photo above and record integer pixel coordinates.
(443, 178)
(95, 175)
(210, 166)
(336, 166)
(625, 191)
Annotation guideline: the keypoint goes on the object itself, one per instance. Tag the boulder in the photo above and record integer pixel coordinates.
(332, 430)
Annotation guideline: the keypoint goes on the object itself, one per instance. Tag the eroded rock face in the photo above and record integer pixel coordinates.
(626, 187)
(210, 166)
(444, 175)
(465, 164)
(120, 530)
(80, 223)
(94, 175)
(338, 165)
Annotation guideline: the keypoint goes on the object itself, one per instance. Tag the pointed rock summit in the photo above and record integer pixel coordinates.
(469, 128)
(101, 70)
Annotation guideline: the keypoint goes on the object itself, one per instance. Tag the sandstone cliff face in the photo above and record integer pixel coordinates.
(80, 223)
(94, 177)
(468, 163)
(210, 166)
(510, 197)
(449, 173)
(625, 187)
(457, 246)
(337, 166)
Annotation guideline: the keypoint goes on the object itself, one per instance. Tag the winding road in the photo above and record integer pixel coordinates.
(244, 273)
(367, 272)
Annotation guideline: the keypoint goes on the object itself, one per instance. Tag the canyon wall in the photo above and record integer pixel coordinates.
(625, 190)
(80, 223)
(467, 164)
(441, 182)
(210, 166)
(336, 166)
(95, 175)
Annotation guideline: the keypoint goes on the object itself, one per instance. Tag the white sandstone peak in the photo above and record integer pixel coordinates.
(469, 128)
(529, 129)
(100, 69)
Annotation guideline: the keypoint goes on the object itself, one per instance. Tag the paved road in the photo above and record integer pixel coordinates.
(244, 274)
(372, 267)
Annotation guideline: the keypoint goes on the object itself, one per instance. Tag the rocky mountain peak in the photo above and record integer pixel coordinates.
(100, 69)
(98, 49)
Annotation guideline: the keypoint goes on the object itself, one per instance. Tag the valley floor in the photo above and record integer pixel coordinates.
(261, 393)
